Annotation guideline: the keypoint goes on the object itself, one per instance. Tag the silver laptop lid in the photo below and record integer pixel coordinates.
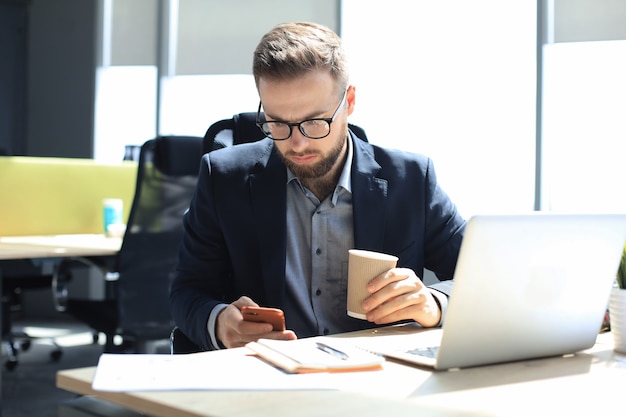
(530, 286)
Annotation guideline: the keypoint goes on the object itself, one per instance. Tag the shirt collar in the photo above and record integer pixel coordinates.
(344, 179)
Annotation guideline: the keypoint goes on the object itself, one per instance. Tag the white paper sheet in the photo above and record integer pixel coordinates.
(230, 369)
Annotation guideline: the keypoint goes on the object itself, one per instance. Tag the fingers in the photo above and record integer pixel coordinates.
(244, 301)
(420, 307)
(391, 284)
(233, 331)
(399, 295)
(393, 275)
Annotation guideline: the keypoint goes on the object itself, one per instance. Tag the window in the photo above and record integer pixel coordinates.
(584, 133)
(454, 80)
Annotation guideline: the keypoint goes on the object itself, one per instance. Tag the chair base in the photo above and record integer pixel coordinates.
(15, 343)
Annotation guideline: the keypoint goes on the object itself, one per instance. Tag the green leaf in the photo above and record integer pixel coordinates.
(621, 272)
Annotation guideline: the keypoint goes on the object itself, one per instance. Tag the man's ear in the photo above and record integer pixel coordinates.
(351, 98)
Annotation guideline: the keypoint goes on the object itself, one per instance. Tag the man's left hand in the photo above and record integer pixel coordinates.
(399, 294)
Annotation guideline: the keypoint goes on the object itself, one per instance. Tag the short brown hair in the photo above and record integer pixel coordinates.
(291, 50)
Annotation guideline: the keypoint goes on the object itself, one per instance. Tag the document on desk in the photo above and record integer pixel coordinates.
(228, 369)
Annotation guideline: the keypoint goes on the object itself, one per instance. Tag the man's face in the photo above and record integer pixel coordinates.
(312, 96)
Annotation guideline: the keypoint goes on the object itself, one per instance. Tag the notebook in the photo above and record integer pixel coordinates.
(525, 286)
(315, 354)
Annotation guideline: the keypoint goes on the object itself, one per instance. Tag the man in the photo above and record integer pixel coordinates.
(271, 222)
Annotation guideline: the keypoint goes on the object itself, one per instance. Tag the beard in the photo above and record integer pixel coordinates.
(317, 170)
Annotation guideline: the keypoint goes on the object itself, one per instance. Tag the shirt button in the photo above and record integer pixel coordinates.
(318, 292)
(318, 251)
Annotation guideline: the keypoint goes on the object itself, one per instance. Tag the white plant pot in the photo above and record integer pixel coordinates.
(617, 314)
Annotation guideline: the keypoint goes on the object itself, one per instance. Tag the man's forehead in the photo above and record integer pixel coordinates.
(296, 99)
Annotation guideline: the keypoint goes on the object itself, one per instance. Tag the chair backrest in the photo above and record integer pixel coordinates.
(242, 128)
(166, 177)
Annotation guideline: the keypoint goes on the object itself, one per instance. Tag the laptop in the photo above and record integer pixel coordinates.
(525, 286)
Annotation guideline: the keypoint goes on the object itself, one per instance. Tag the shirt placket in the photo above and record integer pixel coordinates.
(319, 262)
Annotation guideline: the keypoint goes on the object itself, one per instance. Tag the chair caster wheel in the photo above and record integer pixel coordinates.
(56, 355)
(10, 365)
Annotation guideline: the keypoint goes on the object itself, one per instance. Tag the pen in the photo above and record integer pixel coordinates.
(332, 351)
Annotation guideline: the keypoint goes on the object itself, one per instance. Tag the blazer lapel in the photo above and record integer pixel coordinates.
(369, 195)
(268, 196)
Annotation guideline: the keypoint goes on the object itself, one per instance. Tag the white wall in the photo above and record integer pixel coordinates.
(587, 20)
(455, 80)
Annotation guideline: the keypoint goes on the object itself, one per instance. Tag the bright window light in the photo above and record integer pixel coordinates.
(584, 133)
(454, 80)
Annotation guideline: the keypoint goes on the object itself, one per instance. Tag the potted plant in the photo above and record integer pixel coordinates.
(621, 272)
(617, 307)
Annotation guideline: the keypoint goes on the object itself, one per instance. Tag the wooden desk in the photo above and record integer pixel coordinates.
(589, 383)
(57, 246)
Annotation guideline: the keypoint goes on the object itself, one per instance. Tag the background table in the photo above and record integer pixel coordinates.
(53, 246)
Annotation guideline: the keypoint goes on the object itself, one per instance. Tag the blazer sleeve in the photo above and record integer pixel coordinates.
(202, 260)
(444, 229)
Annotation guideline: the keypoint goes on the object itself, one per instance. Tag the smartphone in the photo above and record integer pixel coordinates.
(274, 316)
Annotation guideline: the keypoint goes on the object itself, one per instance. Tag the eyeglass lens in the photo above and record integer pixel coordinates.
(310, 128)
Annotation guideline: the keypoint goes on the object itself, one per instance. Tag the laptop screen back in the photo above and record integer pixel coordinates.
(530, 286)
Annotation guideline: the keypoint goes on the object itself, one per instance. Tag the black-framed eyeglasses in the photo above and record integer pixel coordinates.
(316, 128)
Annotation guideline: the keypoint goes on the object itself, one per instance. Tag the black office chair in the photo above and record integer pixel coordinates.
(18, 277)
(137, 305)
(181, 344)
(241, 128)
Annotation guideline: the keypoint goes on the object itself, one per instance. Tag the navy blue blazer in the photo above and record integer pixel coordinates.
(235, 228)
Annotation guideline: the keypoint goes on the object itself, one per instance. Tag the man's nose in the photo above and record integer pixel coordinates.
(297, 140)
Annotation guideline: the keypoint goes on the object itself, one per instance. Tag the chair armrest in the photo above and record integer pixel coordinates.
(180, 343)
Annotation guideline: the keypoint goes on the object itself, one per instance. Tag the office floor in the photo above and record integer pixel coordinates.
(29, 390)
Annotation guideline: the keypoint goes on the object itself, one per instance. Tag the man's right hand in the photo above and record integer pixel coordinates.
(233, 331)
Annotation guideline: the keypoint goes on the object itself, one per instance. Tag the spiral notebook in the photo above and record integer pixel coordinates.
(525, 286)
